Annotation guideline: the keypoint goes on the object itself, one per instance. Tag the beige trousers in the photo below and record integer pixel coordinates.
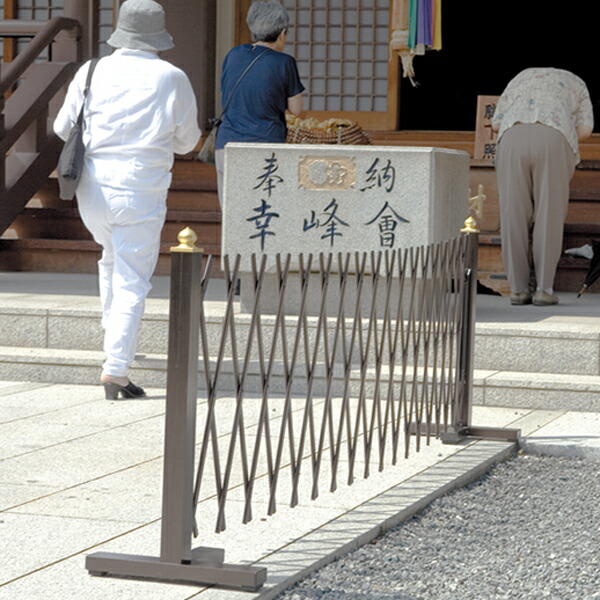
(534, 165)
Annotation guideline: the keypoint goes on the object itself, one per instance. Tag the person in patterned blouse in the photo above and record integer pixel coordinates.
(540, 118)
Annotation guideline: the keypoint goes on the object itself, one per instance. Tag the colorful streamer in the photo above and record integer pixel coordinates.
(425, 24)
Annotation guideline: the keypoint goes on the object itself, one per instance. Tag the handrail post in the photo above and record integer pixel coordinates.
(68, 46)
(84, 13)
(177, 560)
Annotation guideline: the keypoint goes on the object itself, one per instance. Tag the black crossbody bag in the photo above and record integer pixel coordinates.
(207, 152)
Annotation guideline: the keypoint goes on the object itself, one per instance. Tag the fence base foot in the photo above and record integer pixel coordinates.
(501, 434)
(209, 571)
(454, 436)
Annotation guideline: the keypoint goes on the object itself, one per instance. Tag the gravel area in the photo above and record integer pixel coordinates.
(530, 528)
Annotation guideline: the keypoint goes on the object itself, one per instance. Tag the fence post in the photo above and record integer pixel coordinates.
(178, 561)
(180, 417)
(462, 426)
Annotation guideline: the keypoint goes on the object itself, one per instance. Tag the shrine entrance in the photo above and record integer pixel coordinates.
(484, 45)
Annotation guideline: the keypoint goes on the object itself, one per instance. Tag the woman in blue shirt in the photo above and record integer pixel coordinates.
(256, 106)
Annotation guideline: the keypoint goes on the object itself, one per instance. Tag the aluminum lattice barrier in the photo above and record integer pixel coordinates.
(349, 384)
(362, 357)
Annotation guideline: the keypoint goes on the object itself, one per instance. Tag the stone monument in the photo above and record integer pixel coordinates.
(321, 199)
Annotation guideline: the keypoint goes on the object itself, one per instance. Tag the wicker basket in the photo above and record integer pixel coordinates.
(337, 133)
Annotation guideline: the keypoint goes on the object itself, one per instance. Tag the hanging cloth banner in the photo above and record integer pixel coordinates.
(425, 24)
(412, 23)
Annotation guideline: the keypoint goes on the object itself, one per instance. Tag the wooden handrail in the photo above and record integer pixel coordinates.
(43, 35)
(25, 110)
(20, 27)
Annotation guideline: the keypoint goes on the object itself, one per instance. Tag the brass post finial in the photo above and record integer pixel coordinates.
(187, 241)
(470, 226)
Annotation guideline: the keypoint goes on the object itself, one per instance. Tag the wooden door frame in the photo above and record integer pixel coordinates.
(10, 44)
(375, 121)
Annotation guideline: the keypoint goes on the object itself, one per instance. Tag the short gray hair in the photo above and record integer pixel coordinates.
(266, 20)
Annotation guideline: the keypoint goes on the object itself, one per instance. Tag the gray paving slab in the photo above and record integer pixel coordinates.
(572, 434)
(101, 490)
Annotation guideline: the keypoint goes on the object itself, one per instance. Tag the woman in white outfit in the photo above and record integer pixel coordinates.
(139, 112)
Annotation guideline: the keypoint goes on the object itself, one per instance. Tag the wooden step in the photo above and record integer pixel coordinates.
(454, 140)
(570, 273)
(65, 223)
(49, 236)
(73, 256)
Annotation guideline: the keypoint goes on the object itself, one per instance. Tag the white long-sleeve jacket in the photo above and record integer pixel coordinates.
(140, 111)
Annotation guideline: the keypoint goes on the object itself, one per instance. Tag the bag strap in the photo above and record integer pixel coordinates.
(238, 82)
(86, 89)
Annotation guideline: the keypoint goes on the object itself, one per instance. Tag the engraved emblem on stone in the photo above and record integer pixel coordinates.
(327, 173)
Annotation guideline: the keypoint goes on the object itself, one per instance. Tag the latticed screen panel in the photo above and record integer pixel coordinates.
(341, 47)
(39, 10)
(43, 10)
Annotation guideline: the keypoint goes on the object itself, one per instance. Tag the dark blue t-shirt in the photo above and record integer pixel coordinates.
(256, 112)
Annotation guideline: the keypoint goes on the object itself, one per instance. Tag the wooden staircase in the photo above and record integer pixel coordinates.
(49, 236)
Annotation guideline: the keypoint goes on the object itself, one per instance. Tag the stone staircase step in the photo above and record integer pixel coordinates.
(537, 390)
(491, 388)
(564, 349)
(74, 324)
(523, 357)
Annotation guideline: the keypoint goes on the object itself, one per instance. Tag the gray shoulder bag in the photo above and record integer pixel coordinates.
(70, 161)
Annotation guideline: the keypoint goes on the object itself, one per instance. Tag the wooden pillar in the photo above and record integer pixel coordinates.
(399, 24)
(400, 13)
(192, 23)
(85, 12)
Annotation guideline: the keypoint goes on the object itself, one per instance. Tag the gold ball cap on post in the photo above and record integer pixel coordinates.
(187, 241)
(470, 226)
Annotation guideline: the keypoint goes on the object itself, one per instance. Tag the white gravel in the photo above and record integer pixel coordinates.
(530, 528)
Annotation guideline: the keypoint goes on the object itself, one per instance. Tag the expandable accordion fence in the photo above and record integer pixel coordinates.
(290, 405)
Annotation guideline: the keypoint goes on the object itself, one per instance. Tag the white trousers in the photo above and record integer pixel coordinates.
(534, 165)
(127, 224)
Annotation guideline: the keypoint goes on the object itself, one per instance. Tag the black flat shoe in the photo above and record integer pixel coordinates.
(112, 391)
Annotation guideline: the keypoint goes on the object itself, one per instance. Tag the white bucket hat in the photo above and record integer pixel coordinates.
(141, 26)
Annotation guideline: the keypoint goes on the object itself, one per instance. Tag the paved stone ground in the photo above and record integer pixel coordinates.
(79, 474)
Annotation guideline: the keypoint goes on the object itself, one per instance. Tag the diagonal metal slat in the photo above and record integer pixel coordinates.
(377, 364)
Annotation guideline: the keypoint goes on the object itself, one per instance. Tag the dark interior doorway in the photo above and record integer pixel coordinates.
(484, 45)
